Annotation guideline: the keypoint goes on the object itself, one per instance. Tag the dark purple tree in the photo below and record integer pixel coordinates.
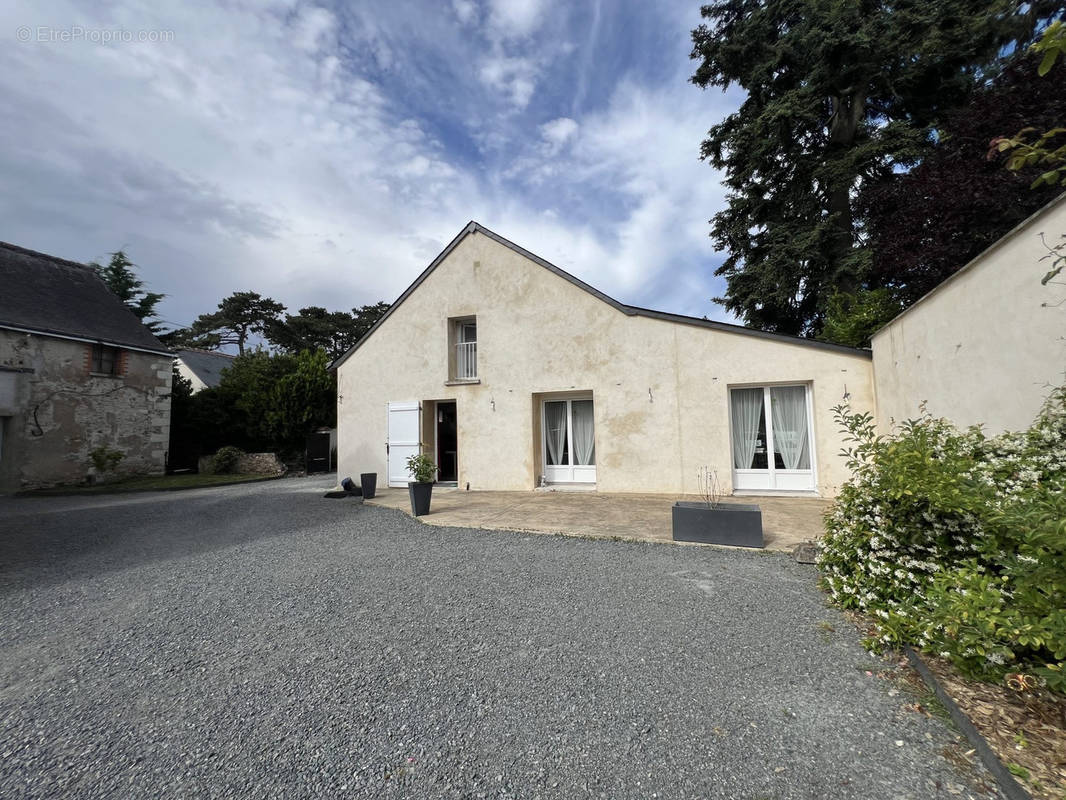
(928, 223)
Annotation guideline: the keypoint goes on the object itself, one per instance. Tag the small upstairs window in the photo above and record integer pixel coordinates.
(464, 349)
(105, 359)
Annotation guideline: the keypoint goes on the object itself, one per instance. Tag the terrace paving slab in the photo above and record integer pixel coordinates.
(787, 521)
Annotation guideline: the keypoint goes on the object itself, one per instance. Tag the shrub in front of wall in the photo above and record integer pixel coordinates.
(910, 509)
(1005, 611)
(225, 460)
(105, 459)
(939, 524)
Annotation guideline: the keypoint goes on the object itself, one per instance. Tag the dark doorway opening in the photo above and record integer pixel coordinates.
(447, 443)
(318, 453)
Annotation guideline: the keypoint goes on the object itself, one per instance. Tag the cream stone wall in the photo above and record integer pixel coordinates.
(987, 345)
(660, 388)
(54, 412)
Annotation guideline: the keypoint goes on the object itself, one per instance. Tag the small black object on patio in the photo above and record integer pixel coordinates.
(349, 490)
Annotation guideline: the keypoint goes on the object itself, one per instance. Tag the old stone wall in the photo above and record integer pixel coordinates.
(57, 411)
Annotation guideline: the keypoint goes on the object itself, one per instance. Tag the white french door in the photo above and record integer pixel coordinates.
(771, 438)
(405, 439)
(569, 441)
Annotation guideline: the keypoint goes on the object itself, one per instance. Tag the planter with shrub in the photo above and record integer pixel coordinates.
(420, 489)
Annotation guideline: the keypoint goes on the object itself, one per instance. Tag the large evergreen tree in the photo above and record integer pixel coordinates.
(121, 278)
(839, 93)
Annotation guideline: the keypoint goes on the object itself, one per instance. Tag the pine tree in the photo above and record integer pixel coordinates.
(121, 278)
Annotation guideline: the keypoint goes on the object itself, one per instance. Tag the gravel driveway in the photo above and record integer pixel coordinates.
(260, 641)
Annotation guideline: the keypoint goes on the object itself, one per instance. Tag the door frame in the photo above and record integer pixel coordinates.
(773, 479)
(587, 474)
(436, 436)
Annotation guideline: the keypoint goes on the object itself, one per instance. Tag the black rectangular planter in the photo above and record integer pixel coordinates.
(369, 482)
(727, 523)
(421, 493)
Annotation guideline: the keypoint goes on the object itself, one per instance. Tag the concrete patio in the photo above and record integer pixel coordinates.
(787, 521)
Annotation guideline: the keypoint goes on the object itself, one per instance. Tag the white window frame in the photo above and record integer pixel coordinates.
(773, 479)
(459, 341)
(566, 473)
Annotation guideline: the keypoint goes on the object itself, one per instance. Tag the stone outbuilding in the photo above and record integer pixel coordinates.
(79, 373)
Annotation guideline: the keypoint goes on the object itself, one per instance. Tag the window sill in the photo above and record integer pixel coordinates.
(463, 382)
(105, 375)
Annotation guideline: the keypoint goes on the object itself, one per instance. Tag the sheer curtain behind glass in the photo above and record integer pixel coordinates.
(746, 408)
(788, 408)
(584, 440)
(555, 431)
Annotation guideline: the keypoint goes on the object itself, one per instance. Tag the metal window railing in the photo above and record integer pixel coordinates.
(465, 361)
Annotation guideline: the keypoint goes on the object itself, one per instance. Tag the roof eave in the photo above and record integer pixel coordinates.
(162, 351)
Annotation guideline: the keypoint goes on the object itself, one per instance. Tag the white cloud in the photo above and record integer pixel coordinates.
(313, 28)
(261, 149)
(515, 77)
(465, 10)
(516, 18)
(641, 153)
(556, 133)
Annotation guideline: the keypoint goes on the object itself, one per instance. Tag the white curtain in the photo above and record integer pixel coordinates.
(555, 431)
(584, 440)
(788, 408)
(746, 409)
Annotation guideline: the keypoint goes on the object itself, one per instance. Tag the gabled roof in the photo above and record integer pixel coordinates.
(207, 365)
(632, 311)
(48, 295)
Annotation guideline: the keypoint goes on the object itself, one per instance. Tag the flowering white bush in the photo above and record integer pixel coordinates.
(940, 525)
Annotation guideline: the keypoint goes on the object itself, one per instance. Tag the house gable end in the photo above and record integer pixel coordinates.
(473, 228)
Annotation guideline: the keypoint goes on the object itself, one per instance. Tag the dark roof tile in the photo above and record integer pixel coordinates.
(207, 365)
(51, 295)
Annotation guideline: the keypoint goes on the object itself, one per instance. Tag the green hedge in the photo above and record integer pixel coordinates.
(955, 542)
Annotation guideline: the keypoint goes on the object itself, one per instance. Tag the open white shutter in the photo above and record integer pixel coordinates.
(405, 437)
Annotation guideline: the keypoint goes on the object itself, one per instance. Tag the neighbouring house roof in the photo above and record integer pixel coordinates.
(53, 296)
(976, 260)
(207, 365)
(632, 311)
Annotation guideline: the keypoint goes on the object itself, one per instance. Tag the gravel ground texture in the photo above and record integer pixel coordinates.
(261, 641)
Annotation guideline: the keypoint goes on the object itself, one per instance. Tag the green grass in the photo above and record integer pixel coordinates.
(150, 483)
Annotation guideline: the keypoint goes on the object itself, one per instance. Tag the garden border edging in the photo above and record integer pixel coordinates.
(1010, 786)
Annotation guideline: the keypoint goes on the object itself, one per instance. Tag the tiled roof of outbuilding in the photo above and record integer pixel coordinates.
(207, 365)
(44, 294)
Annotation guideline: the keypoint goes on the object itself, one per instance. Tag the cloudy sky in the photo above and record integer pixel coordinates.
(324, 154)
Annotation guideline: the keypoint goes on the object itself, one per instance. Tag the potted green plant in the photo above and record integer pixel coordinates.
(711, 521)
(423, 470)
